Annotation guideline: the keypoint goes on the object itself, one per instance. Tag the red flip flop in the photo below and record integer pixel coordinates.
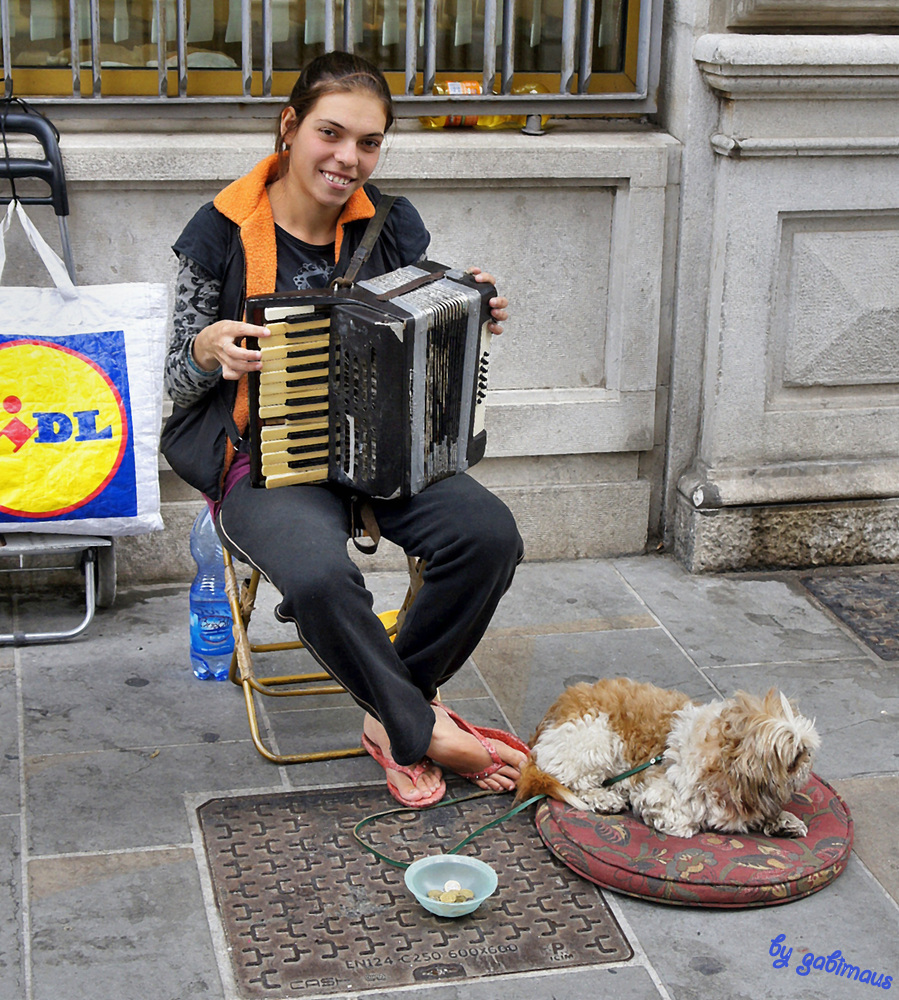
(413, 773)
(483, 734)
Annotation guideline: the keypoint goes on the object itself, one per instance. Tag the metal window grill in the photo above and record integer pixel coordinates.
(574, 71)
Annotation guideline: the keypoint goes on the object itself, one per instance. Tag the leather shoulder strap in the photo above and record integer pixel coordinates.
(369, 238)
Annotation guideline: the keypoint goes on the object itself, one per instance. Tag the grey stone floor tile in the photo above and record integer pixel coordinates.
(129, 685)
(9, 743)
(296, 728)
(345, 773)
(855, 704)
(527, 673)
(122, 799)
(620, 983)
(704, 953)
(559, 594)
(123, 701)
(125, 926)
(729, 619)
(874, 805)
(12, 976)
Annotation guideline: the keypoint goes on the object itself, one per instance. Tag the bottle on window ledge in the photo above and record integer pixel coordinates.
(211, 632)
(457, 87)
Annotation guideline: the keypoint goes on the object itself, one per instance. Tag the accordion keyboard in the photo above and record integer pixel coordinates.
(293, 401)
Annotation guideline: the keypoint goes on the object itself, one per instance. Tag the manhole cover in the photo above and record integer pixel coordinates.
(868, 603)
(307, 910)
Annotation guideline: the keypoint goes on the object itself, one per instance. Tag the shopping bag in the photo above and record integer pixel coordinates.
(80, 401)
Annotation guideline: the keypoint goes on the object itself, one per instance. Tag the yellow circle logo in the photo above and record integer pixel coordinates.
(63, 429)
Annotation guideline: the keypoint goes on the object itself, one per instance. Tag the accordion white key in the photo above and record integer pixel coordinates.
(379, 386)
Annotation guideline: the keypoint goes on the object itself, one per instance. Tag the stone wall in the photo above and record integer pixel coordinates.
(786, 351)
(572, 223)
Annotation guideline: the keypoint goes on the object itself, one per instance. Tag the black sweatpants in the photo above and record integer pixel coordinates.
(297, 537)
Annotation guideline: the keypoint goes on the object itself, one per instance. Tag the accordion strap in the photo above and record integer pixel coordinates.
(369, 238)
(361, 512)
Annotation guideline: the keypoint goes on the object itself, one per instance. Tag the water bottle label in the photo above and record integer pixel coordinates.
(211, 633)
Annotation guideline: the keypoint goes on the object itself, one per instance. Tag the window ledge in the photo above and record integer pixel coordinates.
(793, 66)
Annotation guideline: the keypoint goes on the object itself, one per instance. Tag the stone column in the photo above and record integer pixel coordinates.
(797, 456)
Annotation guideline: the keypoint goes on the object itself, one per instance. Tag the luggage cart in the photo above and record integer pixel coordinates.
(95, 554)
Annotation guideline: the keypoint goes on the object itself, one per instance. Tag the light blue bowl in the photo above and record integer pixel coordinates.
(435, 871)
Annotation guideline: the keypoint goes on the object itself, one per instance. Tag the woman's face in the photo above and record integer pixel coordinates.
(336, 146)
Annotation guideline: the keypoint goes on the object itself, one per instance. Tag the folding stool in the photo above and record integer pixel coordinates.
(242, 599)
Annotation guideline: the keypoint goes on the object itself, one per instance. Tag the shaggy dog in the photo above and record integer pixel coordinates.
(729, 766)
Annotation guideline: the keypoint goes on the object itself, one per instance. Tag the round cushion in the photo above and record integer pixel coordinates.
(711, 869)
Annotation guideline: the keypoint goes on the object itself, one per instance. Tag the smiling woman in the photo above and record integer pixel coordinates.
(293, 223)
(331, 153)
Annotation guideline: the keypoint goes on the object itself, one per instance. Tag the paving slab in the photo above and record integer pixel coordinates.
(12, 924)
(622, 983)
(722, 620)
(558, 596)
(874, 803)
(713, 953)
(9, 743)
(58, 610)
(124, 925)
(111, 825)
(130, 690)
(125, 799)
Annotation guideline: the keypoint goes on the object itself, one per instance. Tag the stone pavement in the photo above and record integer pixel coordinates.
(109, 746)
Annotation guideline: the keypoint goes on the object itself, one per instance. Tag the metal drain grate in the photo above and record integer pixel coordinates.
(308, 911)
(867, 602)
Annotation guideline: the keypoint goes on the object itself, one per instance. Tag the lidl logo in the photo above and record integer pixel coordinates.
(65, 443)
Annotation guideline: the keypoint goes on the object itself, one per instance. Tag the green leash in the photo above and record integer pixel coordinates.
(633, 770)
(437, 805)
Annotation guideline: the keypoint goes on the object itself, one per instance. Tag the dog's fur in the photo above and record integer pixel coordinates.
(729, 766)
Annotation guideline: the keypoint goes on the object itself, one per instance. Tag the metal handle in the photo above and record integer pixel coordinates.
(49, 169)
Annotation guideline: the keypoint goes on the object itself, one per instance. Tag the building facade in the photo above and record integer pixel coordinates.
(704, 344)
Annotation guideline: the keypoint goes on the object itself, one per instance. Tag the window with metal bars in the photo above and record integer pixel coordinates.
(556, 56)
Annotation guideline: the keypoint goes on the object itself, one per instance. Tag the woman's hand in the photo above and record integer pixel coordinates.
(218, 345)
(499, 305)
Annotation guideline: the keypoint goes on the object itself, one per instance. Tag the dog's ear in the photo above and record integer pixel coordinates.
(778, 705)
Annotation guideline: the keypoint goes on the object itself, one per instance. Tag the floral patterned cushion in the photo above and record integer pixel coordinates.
(712, 869)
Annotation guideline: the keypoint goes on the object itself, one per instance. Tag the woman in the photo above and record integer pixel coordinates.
(291, 223)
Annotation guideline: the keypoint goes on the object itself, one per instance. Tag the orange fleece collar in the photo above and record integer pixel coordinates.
(245, 202)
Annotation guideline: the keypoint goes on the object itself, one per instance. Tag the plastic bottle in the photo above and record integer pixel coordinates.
(480, 121)
(211, 635)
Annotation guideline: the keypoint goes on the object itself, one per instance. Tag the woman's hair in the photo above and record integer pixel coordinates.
(335, 73)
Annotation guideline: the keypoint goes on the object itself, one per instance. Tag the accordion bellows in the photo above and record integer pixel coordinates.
(379, 386)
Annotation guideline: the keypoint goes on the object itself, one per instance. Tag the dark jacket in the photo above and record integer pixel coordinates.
(233, 238)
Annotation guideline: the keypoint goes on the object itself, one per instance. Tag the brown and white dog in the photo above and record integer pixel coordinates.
(729, 766)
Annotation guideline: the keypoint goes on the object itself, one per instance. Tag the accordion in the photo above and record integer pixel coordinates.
(378, 386)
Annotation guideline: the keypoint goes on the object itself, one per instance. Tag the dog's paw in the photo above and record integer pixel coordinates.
(604, 800)
(786, 825)
(673, 826)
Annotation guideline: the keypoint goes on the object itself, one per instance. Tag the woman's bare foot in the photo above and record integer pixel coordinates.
(428, 781)
(464, 753)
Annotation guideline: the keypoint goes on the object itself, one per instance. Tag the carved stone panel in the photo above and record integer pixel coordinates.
(812, 13)
(837, 306)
